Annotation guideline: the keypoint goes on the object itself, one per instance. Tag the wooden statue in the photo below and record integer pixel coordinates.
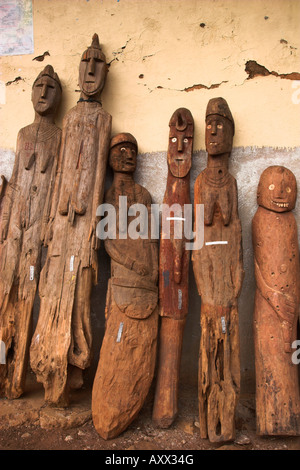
(277, 298)
(174, 262)
(218, 271)
(128, 352)
(24, 212)
(61, 344)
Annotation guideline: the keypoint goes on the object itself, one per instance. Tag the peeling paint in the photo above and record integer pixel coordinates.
(254, 69)
(40, 58)
(16, 80)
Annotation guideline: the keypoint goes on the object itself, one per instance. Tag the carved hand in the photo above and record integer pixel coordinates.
(140, 268)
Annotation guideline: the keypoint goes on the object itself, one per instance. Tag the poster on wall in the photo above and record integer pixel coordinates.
(16, 26)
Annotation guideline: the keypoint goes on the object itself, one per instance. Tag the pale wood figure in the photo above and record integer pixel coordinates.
(174, 262)
(277, 299)
(128, 352)
(24, 213)
(218, 271)
(61, 344)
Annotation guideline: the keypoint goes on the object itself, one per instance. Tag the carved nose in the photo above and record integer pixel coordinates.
(213, 128)
(44, 91)
(91, 69)
(180, 144)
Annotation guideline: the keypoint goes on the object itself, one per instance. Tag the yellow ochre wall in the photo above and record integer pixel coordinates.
(166, 54)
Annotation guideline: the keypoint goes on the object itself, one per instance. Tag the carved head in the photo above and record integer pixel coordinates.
(180, 142)
(277, 189)
(92, 69)
(123, 153)
(219, 130)
(46, 92)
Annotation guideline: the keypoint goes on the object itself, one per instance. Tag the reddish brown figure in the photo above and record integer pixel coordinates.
(24, 213)
(218, 271)
(61, 345)
(277, 298)
(173, 267)
(128, 352)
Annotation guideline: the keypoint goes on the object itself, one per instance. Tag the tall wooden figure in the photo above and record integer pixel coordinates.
(24, 212)
(218, 273)
(174, 262)
(128, 352)
(61, 344)
(277, 298)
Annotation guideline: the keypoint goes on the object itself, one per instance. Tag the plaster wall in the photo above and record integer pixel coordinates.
(163, 55)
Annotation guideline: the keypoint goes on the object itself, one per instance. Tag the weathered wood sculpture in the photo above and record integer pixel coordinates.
(174, 262)
(128, 352)
(218, 273)
(277, 298)
(25, 209)
(61, 345)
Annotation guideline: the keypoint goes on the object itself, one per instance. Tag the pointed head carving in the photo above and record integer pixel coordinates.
(123, 153)
(219, 127)
(46, 91)
(92, 69)
(277, 189)
(180, 142)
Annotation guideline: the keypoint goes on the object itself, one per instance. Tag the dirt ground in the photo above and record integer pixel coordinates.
(28, 424)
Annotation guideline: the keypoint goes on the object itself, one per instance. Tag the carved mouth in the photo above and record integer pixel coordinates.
(280, 204)
(179, 159)
(213, 143)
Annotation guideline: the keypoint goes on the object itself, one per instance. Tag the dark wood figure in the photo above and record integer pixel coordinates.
(24, 211)
(128, 352)
(277, 298)
(174, 262)
(61, 344)
(218, 271)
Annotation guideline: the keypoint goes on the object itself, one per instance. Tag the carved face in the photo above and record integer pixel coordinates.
(180, 143)
(218, 135)
(45, 95)
(277, 189)
(92, 72)
(122, 157)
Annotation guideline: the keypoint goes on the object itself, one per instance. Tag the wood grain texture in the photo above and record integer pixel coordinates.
(61, 345)
(128, 352)
(218, 271)
(24, 213)
(277, 298)
(174, 262)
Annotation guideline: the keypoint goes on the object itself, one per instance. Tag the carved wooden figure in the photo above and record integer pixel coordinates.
(24, 212)
(174, 262)
(61, 344)
(218, 273)
(128, 352)
(277, 298)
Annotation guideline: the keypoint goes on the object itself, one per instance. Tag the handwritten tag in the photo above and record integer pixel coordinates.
(31, 273)
(72, 263)
(120, 332)
(223, 323)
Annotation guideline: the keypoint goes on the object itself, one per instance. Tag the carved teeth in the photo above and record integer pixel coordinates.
(281, 204)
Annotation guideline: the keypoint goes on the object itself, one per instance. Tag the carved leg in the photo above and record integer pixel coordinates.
(125, 371)
(219, 372)
(166, 393)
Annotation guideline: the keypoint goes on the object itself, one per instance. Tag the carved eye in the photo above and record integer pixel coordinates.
(123, 149)
(208, 126)
(185, 140)
(220, 126)
(174, 139)
(271, 187)
(288, 189)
